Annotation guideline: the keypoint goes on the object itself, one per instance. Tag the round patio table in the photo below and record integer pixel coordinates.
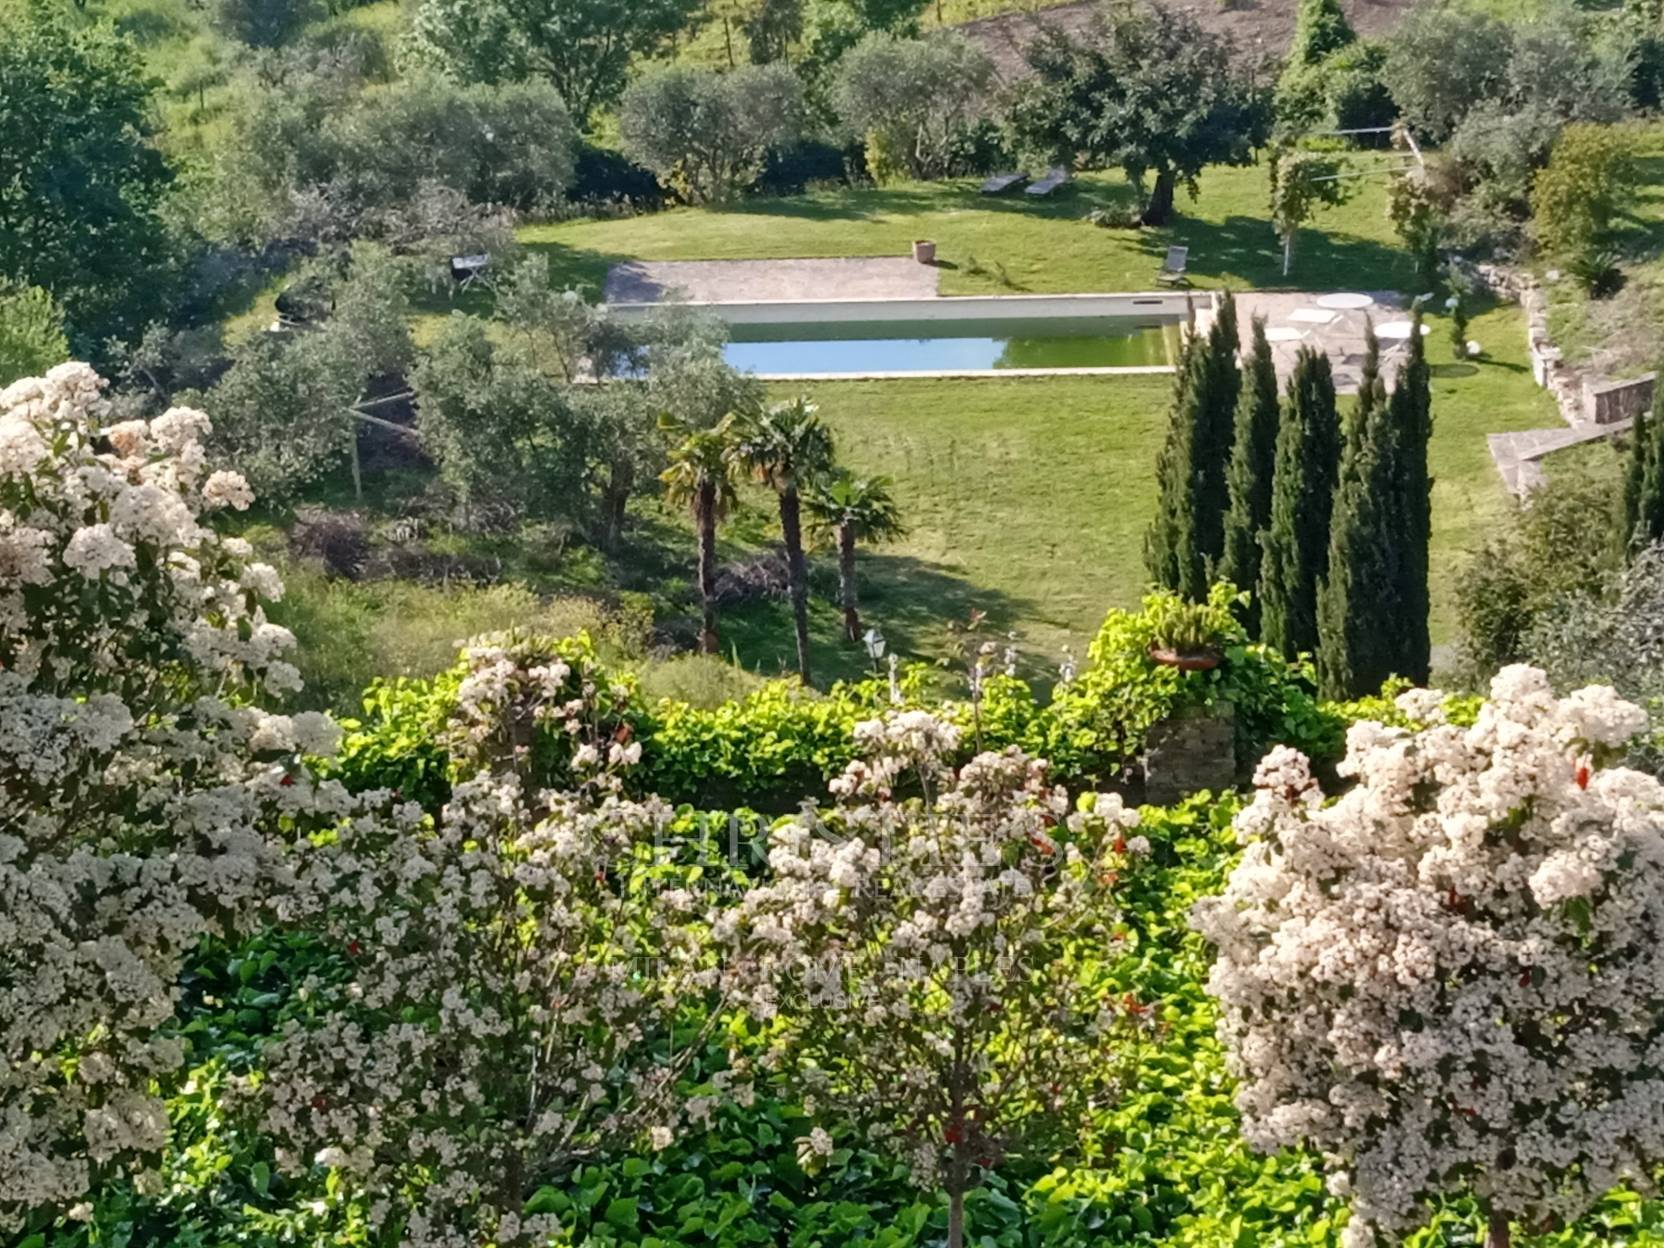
(1400, 331)
(1283, 333)
(1345, 302)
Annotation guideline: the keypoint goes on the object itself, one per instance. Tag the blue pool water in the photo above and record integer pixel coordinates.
(852, 347)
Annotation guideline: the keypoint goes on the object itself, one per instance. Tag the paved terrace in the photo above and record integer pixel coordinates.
(759, 281)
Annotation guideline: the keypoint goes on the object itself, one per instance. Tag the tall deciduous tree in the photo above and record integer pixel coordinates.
(1187, 537)
(1297, 543)
(853, 509)
(788, 448)
(1148, 89)
(1249, 478)
(80, 181)
(702, 476)
(584, 47)
(1360, 607)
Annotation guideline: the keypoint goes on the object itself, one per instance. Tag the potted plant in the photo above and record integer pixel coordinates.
(1185, 635)
(924, 251)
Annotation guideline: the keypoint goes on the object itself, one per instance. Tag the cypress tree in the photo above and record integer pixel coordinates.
(1320, 30)
(1641, 520)
(1253, 465)
(1358, 602)
(1410, 418)
(1187, 536)
(1302, 499)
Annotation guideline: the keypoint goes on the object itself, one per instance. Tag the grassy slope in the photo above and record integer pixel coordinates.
(1620, 335)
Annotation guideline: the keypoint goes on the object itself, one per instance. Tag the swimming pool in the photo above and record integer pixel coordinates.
(963, 336)
(859, 348)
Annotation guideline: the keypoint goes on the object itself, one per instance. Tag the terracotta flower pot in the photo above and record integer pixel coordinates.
(924, 251)
(1185, 661)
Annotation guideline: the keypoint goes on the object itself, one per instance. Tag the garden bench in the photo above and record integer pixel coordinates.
(1000, 183)
(1055, 177)
(1174, 268)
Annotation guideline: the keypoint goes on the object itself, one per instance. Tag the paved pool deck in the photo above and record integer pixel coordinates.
(759, 281)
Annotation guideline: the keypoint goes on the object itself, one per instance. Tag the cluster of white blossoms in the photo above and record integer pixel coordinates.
(1449, 979)
(930, 962)
(140, 782)
(511, 971)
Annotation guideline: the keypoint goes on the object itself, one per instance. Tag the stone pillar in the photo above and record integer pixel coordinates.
(1189, 752)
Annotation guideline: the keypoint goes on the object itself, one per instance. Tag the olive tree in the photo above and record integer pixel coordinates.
(910, 99)
(1148, 89)
(707, 134)
(263, 23)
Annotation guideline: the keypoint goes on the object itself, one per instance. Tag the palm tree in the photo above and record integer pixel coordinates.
(788, 448)
(701, 476)
(853, 509)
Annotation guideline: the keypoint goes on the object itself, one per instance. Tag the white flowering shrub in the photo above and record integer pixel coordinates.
(143, 795)
(1448, 980)
(517, 971)
(925, 959)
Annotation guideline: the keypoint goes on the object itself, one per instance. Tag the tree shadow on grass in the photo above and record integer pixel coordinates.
(1245, 250)
(910, 601)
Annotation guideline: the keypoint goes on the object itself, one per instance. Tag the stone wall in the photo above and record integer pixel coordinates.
(1614, 401)
(1188, 753)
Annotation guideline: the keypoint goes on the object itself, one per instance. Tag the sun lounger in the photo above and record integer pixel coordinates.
(1055, 177)
(1173, 269)
(1000, 183)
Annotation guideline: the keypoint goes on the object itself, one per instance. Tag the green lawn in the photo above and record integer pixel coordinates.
(1028, 498)
(1040, 246)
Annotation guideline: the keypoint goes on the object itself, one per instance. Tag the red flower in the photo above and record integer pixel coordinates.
(955, 1134)
(1583, 775)
(354, 948)
(1120, 844)
(1042, 844)
(286, 781)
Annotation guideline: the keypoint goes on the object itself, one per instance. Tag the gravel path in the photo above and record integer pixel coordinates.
(746, 281)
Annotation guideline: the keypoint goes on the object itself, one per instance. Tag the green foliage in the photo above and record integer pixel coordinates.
(1358, 624)
(1590, 178)
(1641, 506)
(708, 134)
(1297, 543)
(1252, 470)
(1443, 59)
(1409, 435)
(263, 23)
(422, 158)
(1561, 546)
(1301, 183)
(583, 48)
(911, 100)
(31, 332)
(1147, 89)
(1187, 535)
(81, 181)
(1100, 721)
(281, 412)
(1321, 31)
